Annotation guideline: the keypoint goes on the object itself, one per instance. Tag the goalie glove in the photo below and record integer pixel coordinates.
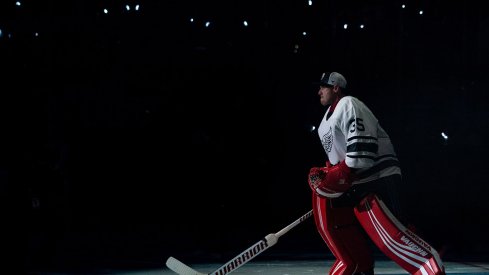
(330, 181)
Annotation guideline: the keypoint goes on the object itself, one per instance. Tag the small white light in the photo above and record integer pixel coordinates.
(420, 12)
(345, 26)
(1, 33)
(362, 26)
(313, 128)
(36, 34)
(207, 24)
(17, 3)
(304, 33)
(310, 2)
(444, 135)
(403, 6)
(191, 20)
(128, 7)
(106, 11)
(136, 7)
(245, 23)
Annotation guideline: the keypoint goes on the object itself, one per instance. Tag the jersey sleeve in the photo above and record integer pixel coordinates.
(359, 126)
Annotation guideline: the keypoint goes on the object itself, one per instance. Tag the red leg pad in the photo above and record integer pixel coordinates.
(340, 230)
(396, 241)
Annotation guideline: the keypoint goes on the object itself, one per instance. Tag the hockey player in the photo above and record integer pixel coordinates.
(355, 193)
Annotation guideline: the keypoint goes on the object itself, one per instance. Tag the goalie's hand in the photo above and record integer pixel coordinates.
(330, 181)
(316, 176)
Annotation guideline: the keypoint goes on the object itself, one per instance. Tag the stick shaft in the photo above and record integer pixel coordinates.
(257, 248)
(241, 259)
(292, 225)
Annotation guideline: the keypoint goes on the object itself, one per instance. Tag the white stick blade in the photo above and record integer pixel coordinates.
(181, 268)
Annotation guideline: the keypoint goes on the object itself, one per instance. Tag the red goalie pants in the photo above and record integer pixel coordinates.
(343, 229)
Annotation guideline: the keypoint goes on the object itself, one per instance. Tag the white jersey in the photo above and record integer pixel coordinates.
(352, 133)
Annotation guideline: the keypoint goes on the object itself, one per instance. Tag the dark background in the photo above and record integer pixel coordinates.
(132, 136)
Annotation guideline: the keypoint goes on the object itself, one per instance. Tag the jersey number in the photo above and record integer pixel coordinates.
(358, 124)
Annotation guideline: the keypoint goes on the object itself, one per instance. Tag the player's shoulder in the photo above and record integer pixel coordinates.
(350, 101)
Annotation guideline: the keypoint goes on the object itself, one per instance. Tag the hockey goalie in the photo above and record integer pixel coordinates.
(354, 194)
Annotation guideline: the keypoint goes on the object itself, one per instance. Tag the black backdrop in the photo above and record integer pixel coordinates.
(135, 135)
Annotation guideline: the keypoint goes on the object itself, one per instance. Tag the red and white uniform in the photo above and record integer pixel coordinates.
(349, 131)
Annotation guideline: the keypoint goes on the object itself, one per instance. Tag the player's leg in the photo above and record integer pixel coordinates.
(396, 241)
(336, 267)
(341, 232)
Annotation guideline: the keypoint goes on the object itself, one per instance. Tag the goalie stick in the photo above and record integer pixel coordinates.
(233, 264)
